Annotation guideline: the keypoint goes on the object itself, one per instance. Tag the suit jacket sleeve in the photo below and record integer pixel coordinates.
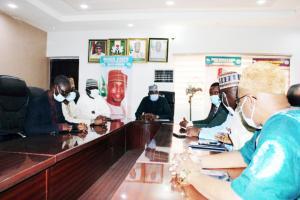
(204, 122)
(35, 123)
(167, 114)
(140, 109)
(219, 118)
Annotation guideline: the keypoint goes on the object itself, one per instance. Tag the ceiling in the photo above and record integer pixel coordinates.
(64, 15)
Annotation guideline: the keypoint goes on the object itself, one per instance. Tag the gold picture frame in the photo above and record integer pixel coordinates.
(138, 49)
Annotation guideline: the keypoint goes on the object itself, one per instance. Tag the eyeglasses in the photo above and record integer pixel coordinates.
(238, 100)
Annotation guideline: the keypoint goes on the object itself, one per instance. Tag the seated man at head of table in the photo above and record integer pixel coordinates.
(232, 130)
(272, 156)
(217, 114)
(45, 115)
(154, 106)
(293, 95)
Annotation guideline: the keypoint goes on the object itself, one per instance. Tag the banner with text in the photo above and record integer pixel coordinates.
(116, 61)
(224, 61)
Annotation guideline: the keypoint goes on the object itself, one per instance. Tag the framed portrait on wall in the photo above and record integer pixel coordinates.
(97, 48)
(117, 47)
(138, 49)
(158, 49)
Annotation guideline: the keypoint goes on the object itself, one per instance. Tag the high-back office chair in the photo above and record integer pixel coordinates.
(35, 92)
(14, 98)
(170, 96)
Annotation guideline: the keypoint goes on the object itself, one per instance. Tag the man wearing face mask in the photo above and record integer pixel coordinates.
(217, 115)
(91, 106)
(232, 129)
(154, 105)
(272, 156)
(69, 106)
(45, 114)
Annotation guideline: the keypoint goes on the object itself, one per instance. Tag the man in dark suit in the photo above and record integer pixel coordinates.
(217, 115)
(154, 106)
(45, 115)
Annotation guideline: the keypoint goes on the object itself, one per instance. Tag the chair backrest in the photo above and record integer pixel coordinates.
(170, 96)
(36, 92)
(14, 98)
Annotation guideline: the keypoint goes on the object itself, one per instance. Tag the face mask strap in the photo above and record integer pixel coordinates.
(223, 94)
(253, 109)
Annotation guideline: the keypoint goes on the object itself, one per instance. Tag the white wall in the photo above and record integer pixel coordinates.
(187, 40)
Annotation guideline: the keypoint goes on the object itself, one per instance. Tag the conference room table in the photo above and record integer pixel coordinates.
(77, 165)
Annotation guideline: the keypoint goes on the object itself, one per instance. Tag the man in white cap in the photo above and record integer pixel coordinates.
(91, 106)
(232, 130)
(154, 105)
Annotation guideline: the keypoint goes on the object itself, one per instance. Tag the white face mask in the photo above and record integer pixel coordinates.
(94, 93)
(71, 96)
(230, 110)
(248, 120)
(154, 97)
(59, 97)
(215, 99)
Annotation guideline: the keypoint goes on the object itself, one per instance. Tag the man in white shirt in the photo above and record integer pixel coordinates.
(91, 106)
(228, 83)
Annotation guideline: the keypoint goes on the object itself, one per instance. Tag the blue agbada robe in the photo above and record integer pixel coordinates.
(273, 158)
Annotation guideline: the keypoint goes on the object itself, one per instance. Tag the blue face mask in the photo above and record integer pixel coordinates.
(154, 97)
(215, 99)
(71, 97)
(59, 97)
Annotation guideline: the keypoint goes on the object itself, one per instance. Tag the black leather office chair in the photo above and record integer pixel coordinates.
(14, 98)
(35, 92)
(170, 96)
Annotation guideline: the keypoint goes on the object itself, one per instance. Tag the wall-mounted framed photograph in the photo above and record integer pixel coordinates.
(138, 49)
(117, 47)
(158, 49)
(97, 48)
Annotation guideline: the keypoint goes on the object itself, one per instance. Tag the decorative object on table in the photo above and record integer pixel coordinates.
(97, 48)
(190, 91)
(138, 49)
(158, 49)
(117, 47)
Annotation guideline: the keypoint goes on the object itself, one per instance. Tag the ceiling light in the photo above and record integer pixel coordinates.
(261, 2)
(130, 25)
(13, 6)
(84, 6)
(170, 3)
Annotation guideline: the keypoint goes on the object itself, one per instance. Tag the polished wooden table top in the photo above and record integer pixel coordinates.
(24, 157)
(150, 178)
(60, 145)
(16, 167)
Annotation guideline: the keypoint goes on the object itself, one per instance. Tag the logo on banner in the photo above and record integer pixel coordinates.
(227, 61)
(116, 61)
